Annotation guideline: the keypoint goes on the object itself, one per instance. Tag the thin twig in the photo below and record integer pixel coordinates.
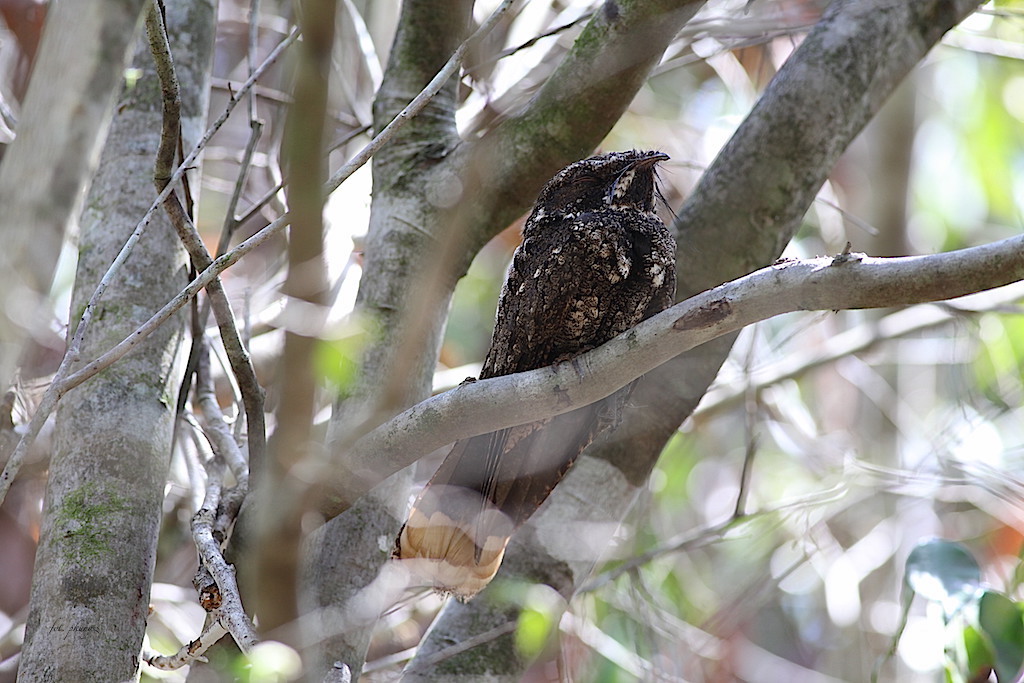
(230, 221)
(250, 54)
(450, 68)
(269, 195)
(508, 52)
(487, 636)
(63, 380)
(748, 466)
(751, 438)
(214, 426)
(715, 533)
(192, 652)
(170, 131)
(238, 356)
(258, 205)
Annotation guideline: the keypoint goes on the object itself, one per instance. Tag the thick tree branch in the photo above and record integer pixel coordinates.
(405, 221)
(112, 440)
(427, 35)
(412, 110)
(847, 281)
(777, 160)
(573, 111)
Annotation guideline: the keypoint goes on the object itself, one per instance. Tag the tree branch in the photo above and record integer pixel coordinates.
(863, 338)
(238, 356)
(572, 112)
(847, 281)
(273, 558)
(821, 98)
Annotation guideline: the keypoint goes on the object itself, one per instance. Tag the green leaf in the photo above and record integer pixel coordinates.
(1002, 621)
(541, 611)
(532, 632)
(338, 360)
(269, 662)
(943, 572)
(978, 653)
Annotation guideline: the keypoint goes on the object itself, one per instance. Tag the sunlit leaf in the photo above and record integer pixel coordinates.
(1002, 620)
(532, 632)
(338, 360)
(978, 654)
(943, 572)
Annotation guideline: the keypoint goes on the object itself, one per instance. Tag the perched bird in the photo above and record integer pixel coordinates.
(595, 260)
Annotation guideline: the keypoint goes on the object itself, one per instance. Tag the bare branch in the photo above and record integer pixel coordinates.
(714, 533)
(221, 439)
(170, 131)
(842, 282)
(231, 222)
(228, 607)
(274, 558)
(857, 340)
(238, 357)
(192, 652)
(465, 645)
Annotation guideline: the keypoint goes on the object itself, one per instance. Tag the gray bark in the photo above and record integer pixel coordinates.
(64, 121)
(755, 193)
(94, 565)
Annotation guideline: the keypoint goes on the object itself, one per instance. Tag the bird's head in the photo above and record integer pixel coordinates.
(615, 180)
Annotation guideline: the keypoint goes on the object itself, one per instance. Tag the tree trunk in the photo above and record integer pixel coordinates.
(104, 498)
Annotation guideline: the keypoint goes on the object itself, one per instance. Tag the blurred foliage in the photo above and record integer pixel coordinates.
(984, 629)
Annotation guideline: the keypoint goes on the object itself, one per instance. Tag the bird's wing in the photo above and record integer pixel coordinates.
(562, 285)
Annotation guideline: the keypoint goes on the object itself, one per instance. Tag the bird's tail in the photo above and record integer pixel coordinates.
(486, 488)
(454, 539)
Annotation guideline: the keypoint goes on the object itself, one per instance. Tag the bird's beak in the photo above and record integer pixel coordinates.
(651, 159)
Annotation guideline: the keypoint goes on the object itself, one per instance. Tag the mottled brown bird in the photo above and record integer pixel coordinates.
(595, 260)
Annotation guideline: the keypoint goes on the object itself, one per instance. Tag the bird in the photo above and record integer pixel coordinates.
(594, 261)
